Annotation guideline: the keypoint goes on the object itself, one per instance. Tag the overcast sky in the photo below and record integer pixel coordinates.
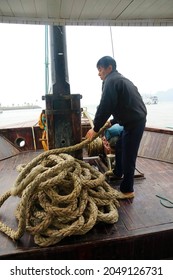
(21, 63)
(143, 54)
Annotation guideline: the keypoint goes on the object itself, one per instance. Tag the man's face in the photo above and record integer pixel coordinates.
(103, 72)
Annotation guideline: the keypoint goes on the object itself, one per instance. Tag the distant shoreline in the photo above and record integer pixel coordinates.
(9, 108)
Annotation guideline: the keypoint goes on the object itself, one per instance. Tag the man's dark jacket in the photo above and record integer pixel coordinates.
(121, 99)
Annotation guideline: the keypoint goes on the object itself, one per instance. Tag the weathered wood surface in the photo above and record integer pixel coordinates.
(157, 144)
(6, 149)
(144, 229)
(30, 135)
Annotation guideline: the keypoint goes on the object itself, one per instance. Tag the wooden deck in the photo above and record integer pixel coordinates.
(144, 229)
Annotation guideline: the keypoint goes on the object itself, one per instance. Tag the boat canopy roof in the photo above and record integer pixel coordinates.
(88, 12)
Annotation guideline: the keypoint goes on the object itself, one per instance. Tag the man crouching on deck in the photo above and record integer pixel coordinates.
(121, 99)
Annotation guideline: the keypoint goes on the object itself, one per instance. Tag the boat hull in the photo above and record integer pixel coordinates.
(144, 229)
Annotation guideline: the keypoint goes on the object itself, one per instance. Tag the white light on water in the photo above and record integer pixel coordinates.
(159, 115)
(12, 117)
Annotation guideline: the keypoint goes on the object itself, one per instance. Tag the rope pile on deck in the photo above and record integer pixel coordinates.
(60, 196)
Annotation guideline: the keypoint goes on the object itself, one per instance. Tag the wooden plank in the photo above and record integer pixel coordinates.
(23, 138)
(7, 149)
(144, 229)
(157, 144)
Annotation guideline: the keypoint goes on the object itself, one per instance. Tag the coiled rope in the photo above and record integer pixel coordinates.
(60, 196)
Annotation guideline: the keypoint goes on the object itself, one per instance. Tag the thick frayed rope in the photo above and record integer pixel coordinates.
(60, 196)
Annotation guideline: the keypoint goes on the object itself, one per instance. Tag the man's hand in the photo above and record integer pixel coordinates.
(108, 124)
(90, 134)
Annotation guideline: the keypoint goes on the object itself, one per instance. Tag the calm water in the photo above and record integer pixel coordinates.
(10, 117)
(159, 115)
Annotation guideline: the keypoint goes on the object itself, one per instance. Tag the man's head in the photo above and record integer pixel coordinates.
(106, 65)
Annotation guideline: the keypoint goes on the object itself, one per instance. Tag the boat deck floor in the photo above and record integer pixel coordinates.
(144, 229)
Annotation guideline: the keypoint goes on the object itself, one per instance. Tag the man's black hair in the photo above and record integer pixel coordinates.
(105, 61)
